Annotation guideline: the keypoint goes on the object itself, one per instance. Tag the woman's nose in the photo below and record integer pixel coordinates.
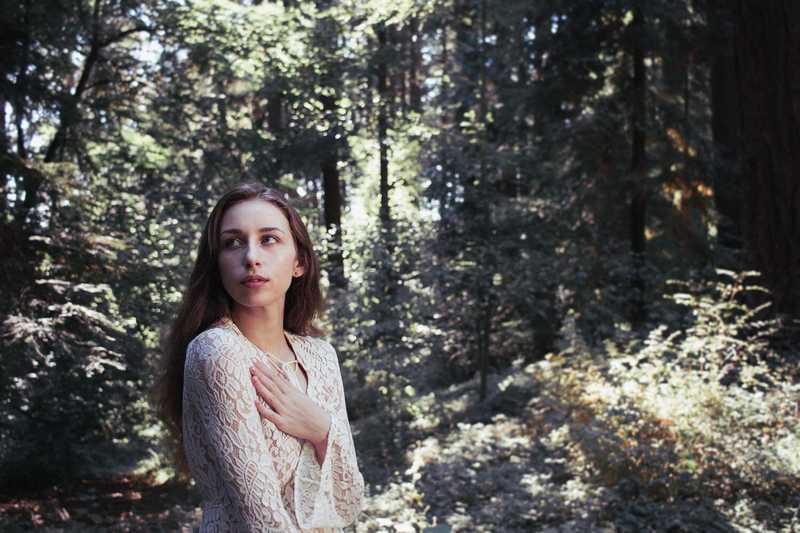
(251, 256)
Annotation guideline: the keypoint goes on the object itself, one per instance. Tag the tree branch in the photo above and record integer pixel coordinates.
(121, 35)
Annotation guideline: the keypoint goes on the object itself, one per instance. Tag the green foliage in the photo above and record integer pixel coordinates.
(72, 374)
(380, 328)
(699, 407)
(729, 340)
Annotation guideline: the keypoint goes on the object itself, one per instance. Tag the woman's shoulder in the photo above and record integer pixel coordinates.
(325, 347)
(319, 346)
(214, 340)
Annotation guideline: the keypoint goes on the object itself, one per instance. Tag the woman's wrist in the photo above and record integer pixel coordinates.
(325, 427)
(321, 443)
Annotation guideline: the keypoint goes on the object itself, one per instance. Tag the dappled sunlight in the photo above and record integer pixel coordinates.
(603, 438)
(494, 474)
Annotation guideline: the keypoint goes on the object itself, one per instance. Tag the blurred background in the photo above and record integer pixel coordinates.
(560, 241)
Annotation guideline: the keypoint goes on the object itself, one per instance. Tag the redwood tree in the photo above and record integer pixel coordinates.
(767, 48)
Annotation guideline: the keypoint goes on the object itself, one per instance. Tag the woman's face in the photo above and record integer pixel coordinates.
(257, 257)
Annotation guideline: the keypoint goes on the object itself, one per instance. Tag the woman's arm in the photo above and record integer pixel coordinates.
(217, 382)
(330, 494)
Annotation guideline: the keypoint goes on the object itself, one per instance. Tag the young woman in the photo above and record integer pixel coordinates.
(253, 396)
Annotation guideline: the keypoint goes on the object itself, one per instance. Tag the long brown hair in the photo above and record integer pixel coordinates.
(205, 301)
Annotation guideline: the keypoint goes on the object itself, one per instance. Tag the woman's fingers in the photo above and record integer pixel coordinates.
(268, 391)
(271, 373)
(261, 369)
(268, 413)
(291, 411)
(273, 386)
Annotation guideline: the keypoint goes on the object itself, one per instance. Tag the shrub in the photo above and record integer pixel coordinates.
(698, 409)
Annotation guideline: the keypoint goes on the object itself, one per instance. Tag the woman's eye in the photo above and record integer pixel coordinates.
(264, 239)
(230, 243)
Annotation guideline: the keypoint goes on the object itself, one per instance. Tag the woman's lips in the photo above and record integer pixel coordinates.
(254, 282)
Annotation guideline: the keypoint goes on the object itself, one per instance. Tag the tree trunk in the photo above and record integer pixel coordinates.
(68, 115)
(725, 129)
(275, 122)
(383, 97)
(484, 278)
(638, 203)
(275, 111)
(415, 93)
(5, 152)
(333, 199)
(767, 55)
(402, 37)
(30, 183)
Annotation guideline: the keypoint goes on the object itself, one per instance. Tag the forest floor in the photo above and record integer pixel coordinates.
(529, 458)
(522, 460)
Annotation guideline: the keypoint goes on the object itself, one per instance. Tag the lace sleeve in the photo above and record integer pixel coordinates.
(217, 381)
(331, 494)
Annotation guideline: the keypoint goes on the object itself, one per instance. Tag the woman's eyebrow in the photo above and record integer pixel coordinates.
(260, 230)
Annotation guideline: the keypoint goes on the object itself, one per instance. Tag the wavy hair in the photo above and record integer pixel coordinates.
(205, 301)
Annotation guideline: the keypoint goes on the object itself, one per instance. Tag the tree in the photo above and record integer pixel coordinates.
(767, 38)
(638, 168)
(726, 129)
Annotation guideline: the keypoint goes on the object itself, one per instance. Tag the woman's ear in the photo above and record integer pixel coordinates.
(299, 269)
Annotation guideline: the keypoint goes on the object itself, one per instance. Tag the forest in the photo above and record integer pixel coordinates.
(560, 244)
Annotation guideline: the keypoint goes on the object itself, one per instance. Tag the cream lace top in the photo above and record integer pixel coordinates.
(252, 476)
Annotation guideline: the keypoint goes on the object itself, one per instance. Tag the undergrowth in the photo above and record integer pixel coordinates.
(704, 409)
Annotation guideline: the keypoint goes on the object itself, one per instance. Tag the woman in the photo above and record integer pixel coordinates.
(255, 400)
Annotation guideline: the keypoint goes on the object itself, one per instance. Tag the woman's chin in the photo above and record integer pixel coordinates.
(254, 301)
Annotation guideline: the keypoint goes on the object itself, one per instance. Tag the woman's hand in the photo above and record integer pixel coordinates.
(289, 409)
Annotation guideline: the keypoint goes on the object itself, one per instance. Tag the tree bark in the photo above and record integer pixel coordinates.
(484, 279)
(332, 203)
(275, 111)
(638, 202)
(30, 184)
(383, 97)
(415, 93)
(4, 153)
(725, 130)
(767, 55)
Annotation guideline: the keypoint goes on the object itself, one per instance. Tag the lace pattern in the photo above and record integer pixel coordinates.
(254, 477)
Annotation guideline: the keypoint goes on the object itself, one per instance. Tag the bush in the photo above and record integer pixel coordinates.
(69, 375)
(701, 409)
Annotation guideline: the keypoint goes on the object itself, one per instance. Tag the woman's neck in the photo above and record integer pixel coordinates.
(263, 329)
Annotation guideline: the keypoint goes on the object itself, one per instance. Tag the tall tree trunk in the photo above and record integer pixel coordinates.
(767, 56)
(332, 204)
(275, 124)
(387, 312)
(275, 111)
(30, 183)
(638, 202)
(725, 129)
(328, 37)
(506, 115)
(444, 122)
(484, 278)
(68, 115)
(415, 43)
(69, 108)
(400, 85)
(466, 59)
(5, 152)
(383, 111)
